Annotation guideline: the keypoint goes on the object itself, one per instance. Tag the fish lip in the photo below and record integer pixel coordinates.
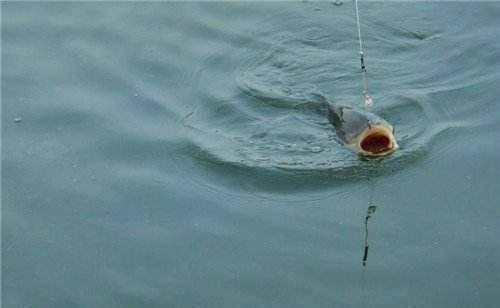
(377, 131)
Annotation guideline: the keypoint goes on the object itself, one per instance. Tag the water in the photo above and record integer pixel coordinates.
(169, 155)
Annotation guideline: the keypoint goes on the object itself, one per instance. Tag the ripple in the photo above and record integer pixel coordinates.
(295, 151)
(259, 128)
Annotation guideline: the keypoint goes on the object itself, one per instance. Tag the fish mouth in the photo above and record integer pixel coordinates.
(377, 141)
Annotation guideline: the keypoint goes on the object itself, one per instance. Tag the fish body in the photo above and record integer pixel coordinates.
(361, 131)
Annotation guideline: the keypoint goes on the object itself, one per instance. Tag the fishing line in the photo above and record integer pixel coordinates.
(367, 99)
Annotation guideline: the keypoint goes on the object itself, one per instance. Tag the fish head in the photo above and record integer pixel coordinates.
(376, 138)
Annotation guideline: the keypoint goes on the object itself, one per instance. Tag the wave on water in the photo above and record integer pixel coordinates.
(262, 126)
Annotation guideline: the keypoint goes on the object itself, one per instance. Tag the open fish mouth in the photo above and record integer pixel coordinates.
(377, 141)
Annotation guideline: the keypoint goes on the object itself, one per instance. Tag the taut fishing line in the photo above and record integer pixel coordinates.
(367, 99)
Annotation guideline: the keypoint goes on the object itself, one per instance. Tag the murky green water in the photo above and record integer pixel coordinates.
(168, 155)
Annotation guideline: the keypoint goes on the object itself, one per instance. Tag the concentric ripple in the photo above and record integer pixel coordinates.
(256, 122)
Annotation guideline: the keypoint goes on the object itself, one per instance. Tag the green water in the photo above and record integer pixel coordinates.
(166, 154)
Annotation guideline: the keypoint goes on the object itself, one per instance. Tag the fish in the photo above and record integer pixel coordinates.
(361, 131)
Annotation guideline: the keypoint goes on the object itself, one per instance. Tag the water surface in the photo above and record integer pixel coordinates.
(168, 154)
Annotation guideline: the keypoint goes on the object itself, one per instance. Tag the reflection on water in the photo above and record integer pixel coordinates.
(369, 213)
